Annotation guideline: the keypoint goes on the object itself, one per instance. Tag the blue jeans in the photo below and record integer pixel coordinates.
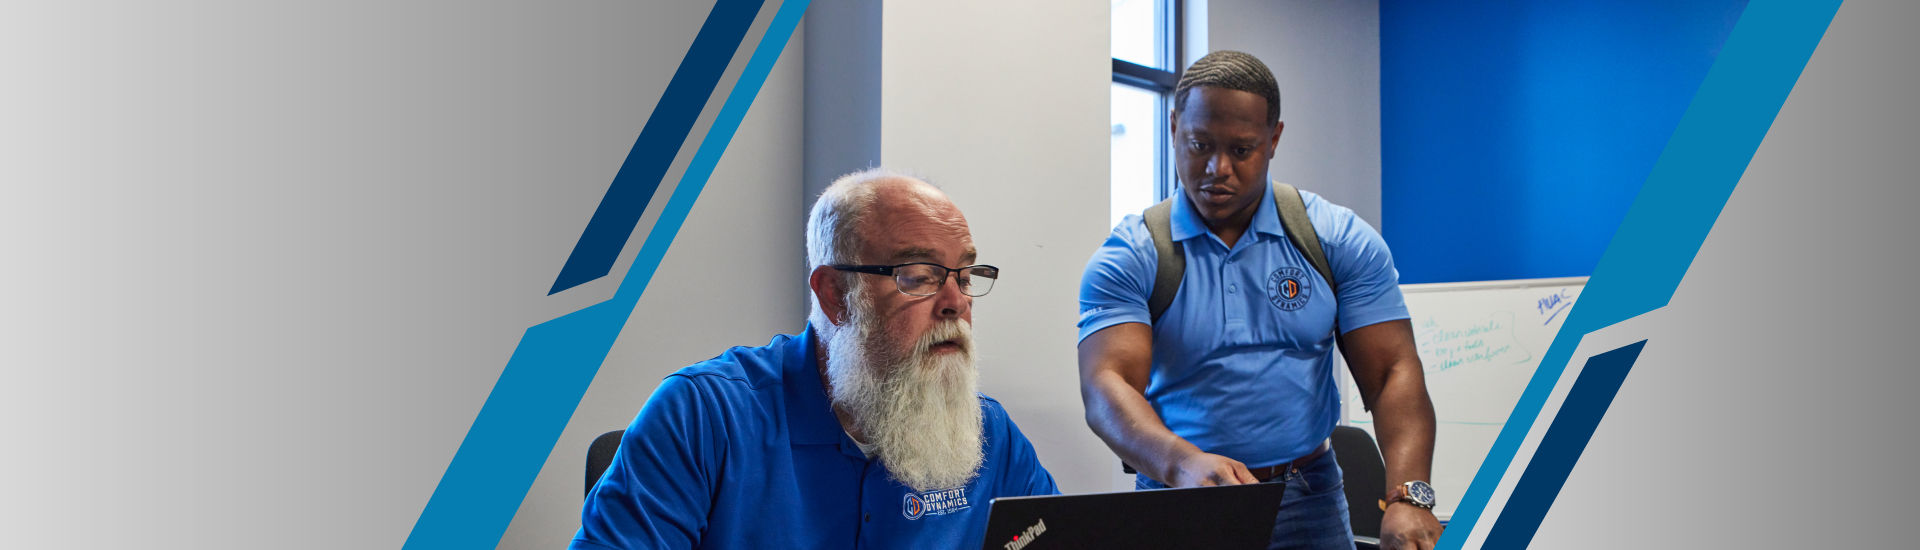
(1313, 514)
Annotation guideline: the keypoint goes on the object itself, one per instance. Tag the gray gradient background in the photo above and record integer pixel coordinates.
(265, 262)
(1773, 406)
(262, 264)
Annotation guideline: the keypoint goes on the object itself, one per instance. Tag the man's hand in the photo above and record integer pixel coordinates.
(1408, 527)
(1207, 469)
(1115, 364)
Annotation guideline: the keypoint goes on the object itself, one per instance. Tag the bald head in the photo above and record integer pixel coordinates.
(881, 217)
(861, 204)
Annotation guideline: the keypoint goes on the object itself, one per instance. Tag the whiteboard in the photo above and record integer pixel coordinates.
(1479, 343)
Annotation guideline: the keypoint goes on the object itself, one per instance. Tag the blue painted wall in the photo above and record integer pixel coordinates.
(1514, 135)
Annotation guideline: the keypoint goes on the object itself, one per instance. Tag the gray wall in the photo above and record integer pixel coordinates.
(1004, 103)
(842, 90)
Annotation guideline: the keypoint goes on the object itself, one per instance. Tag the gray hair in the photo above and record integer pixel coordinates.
(832, 225)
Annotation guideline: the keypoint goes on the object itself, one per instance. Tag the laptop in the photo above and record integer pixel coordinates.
(1231, 516)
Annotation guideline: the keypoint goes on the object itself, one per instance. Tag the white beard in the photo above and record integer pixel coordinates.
(920, 414)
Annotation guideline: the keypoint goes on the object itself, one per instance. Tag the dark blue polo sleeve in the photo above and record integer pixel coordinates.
(658, 490)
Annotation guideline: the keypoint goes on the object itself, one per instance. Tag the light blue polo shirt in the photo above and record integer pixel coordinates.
(1243, 358)
(743, 451)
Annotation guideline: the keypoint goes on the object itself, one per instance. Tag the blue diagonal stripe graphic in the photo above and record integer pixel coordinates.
(1566, 438)
(556, 360)
(1682, 197)
(659, 142)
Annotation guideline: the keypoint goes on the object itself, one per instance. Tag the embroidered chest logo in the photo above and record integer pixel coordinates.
(934, 503)
(1287, 288)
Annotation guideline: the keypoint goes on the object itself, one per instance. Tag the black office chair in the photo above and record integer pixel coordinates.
(1365, 476)
(600, 455)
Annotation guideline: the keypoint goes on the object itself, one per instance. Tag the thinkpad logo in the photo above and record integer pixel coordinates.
(1026, 537)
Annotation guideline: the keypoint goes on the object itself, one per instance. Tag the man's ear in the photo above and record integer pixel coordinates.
(1275, 144)
(830, 293)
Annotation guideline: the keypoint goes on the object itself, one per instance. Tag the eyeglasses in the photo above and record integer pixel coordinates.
(924, 279)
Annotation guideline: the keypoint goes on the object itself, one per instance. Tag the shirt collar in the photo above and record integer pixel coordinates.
(1186, 222)
(810, 418)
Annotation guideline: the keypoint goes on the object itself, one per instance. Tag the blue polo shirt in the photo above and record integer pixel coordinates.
(744, 451)
(1243, 358)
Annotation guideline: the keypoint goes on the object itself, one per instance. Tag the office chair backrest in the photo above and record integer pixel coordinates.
(600, 455)
(1365, 476)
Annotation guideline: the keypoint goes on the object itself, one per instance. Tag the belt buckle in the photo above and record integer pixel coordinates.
(1291, 469)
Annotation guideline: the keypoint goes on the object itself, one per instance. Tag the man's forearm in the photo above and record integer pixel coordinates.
(1403, 418)
(1121, 416)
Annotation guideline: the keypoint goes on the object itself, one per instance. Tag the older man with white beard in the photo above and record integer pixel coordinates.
(863, 431)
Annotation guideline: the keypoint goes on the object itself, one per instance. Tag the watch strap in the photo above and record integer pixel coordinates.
(1399, 494)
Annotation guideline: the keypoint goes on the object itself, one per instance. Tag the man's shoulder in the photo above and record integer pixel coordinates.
(991, 408)
(1325, 214)
(1127, 249)
(1131, 232)
(1009, 452)
(743, 367)
(732, 389)
(1341, 230)
(994, 415)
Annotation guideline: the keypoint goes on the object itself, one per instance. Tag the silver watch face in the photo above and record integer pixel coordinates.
(1420, 492)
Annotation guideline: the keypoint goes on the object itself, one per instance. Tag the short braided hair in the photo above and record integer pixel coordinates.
(1230, 70)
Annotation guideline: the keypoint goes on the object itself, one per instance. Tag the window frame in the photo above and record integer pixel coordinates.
(1161, 82)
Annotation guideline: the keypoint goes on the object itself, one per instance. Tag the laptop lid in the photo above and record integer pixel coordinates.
(1232, 516)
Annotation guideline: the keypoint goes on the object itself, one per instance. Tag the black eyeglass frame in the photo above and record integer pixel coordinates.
(888, 270)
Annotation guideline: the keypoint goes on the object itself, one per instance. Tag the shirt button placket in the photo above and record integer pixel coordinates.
(1231, 303)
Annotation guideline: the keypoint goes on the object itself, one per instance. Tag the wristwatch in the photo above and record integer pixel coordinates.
(1417, 493)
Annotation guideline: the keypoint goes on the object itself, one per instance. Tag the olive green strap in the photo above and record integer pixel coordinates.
(1173, 258)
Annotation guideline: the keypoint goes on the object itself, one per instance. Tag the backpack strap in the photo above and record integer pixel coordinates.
(1173, 258)
(1293, 217)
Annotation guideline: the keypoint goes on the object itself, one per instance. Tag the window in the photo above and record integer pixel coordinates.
(1146, 38)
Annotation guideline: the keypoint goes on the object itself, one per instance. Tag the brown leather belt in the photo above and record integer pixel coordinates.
(1270, 472)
